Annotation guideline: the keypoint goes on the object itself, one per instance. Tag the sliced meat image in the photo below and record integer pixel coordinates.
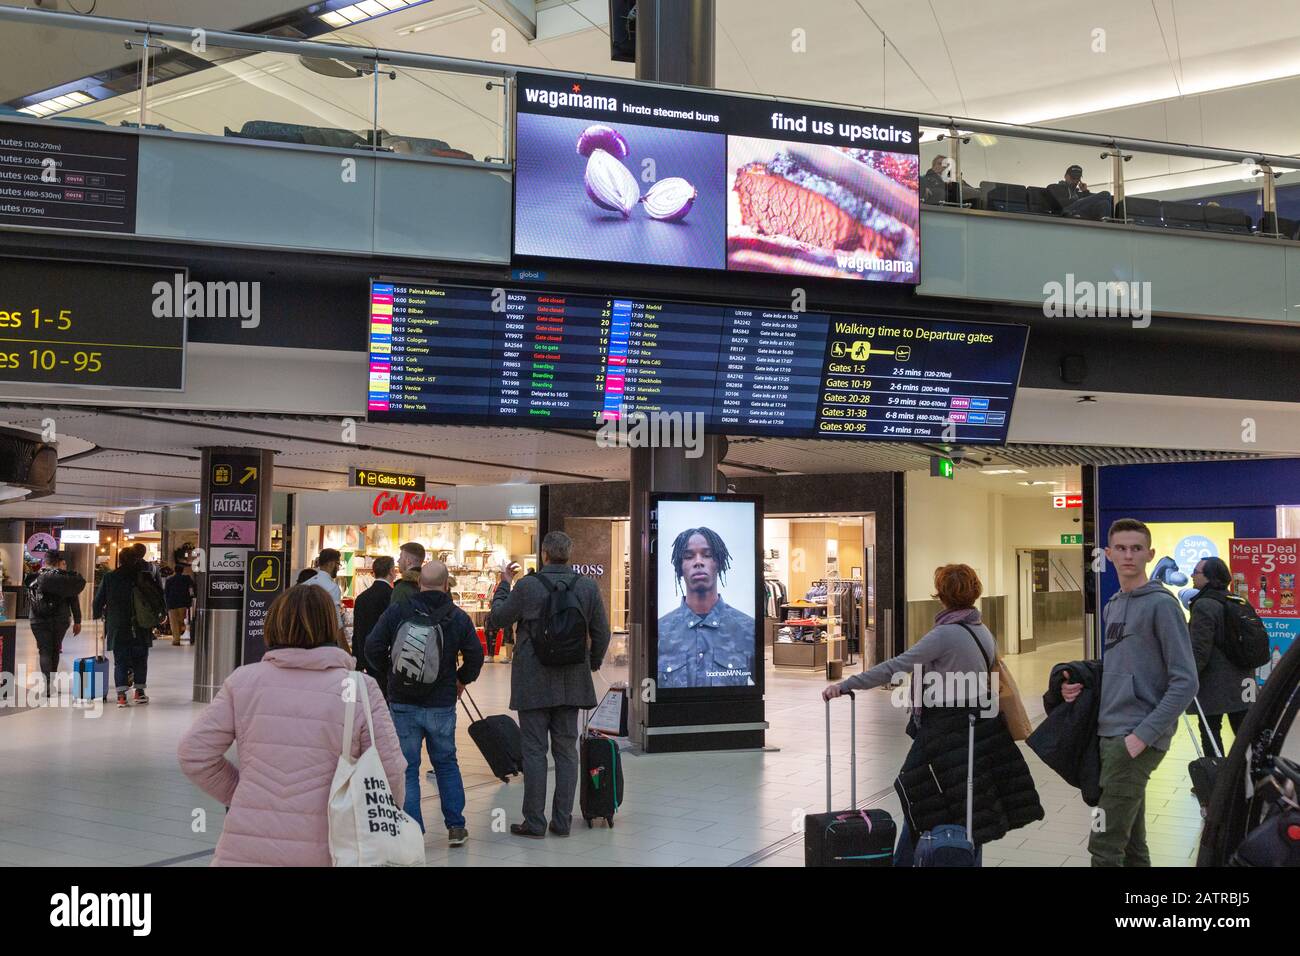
(781, 198)
(902, 168)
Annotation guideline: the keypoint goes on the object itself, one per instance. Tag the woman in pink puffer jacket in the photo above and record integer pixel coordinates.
(285, 714)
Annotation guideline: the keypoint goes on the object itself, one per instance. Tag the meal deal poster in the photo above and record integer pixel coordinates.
(1264, 572)
(621, 172)
(1179, 547)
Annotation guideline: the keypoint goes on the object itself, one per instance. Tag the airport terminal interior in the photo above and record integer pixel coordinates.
(818, 297)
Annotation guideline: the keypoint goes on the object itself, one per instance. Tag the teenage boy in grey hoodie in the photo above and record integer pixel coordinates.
(1148, 680)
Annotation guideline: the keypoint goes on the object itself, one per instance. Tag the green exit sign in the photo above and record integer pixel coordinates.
(940, 467)
(1071, 539)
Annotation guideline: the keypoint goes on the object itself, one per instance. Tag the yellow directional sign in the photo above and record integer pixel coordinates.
(221, 475)
(250, 474)
(394, 480)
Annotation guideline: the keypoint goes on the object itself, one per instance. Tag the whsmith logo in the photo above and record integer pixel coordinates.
(577, 99)
(103, 909)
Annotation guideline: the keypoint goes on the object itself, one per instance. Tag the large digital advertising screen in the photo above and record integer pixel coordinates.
(707, 595)
(447, 354)
(624, 173)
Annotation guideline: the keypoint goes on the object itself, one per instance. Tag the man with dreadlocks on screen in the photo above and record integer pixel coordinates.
(704, 641)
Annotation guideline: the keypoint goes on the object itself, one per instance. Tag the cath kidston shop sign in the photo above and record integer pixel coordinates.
(1264, 573)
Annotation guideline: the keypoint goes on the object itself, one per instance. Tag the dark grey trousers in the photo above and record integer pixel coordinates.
(561, 725)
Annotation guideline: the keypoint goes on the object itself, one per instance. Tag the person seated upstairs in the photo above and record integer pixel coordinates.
(1072, 195)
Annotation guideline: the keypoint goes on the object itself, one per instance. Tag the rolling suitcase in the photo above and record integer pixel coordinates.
(851, 837)
(601, 779)
(1204, 770)
(498, 740)
(951, 845)
(90, 674)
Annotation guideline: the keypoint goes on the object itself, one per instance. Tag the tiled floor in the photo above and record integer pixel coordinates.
(107, 790)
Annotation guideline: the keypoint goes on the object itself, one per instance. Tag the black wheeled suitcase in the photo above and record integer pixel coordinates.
(1204, 770)
(850, 837)
(601, 784)
(498, 739)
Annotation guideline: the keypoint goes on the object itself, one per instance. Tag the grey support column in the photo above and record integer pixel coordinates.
(674, 44)
(81, 558)
(234, 518)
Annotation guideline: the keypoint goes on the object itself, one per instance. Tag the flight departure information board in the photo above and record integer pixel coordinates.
(463, 355)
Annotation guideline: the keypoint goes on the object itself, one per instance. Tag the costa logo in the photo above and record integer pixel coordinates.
(407, 503)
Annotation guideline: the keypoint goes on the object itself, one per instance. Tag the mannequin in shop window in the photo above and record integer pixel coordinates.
(704, 641)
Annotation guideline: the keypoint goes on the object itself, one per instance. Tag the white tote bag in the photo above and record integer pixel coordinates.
(367, 827)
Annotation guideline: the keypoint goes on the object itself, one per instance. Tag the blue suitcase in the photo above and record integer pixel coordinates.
(950, 844)
(90, 674)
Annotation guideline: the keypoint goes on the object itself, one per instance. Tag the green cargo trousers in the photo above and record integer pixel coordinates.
(1119, 837)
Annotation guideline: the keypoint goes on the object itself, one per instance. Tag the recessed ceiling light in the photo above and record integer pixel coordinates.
(440, 21)
(335, 19)
(1003, 471)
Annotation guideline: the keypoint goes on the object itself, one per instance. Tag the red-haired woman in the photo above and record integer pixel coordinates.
(952, 669)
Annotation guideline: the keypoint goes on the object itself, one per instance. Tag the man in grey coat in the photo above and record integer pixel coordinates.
(548, 698)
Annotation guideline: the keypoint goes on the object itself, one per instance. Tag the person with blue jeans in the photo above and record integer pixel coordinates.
(423, 687)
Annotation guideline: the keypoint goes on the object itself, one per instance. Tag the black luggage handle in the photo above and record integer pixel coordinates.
(461, 697)
(853, 752)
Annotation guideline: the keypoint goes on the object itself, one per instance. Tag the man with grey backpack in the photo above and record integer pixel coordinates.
(415, 645)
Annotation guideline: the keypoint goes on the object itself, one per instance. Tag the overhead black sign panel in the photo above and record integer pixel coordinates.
(89, 324)
(441, 353)
(67, 177)
(626, 173)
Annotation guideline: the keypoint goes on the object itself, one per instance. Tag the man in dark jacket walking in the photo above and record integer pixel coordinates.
(125, 638)
(425, 713)
(366, 611)
(55, 606)
(548, 697)
(1223, 683)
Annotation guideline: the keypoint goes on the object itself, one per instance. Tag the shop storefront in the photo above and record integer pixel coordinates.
(474, 530)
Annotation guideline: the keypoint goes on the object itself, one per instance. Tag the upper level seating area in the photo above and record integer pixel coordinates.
(1204, 216)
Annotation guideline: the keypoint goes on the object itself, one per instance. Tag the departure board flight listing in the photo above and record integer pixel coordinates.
(464, 355)
(627, 173)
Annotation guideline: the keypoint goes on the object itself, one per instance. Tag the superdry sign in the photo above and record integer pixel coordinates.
(386, 502)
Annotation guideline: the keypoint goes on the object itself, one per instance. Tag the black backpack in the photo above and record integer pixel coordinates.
(1245, 639)
(51, 591)
(561, 634)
